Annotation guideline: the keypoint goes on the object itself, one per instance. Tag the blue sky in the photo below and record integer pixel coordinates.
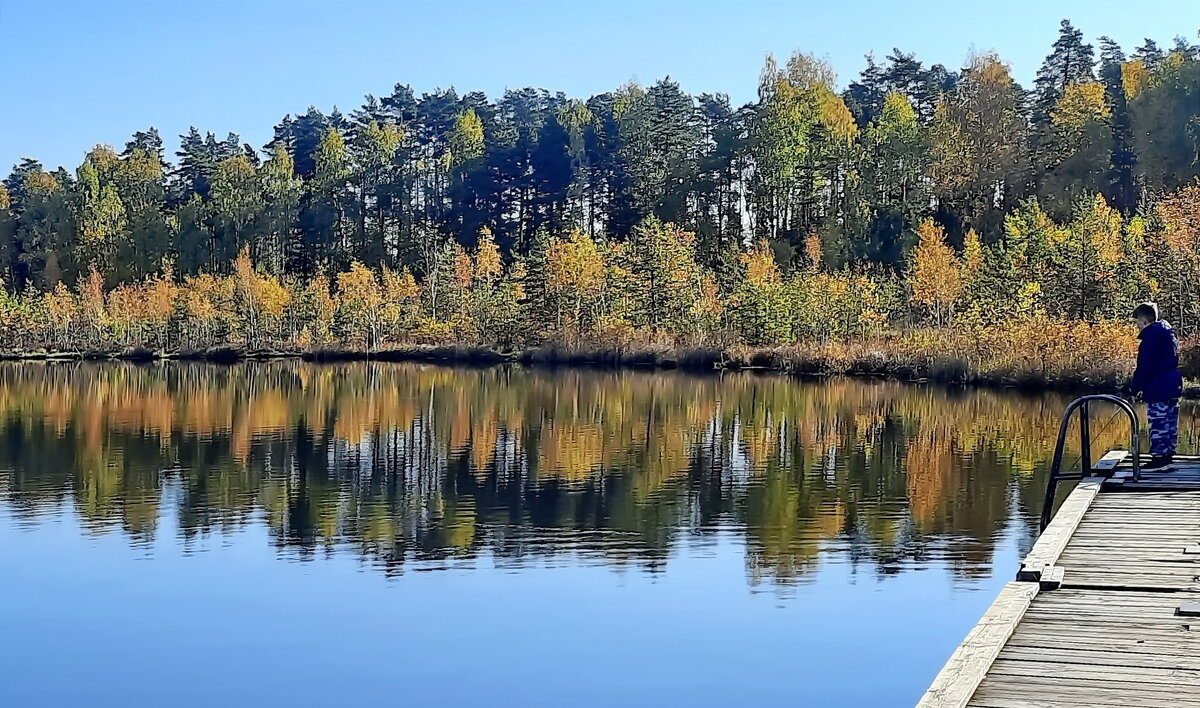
(81, 72)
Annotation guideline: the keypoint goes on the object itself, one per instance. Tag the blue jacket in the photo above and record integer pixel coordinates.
(1157, 376)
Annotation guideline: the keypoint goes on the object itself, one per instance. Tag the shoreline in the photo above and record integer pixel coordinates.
(691, 360)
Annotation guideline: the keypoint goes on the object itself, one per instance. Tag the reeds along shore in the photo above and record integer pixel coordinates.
(1085, 358)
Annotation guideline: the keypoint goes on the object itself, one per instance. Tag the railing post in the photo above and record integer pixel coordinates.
(1135, 443)
(1052, 482)
(1085, 437)
(1085, 442)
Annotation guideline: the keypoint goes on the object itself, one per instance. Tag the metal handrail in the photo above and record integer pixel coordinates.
(1085, 444)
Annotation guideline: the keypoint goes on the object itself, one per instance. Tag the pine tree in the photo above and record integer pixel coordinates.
(303, 137)
(1070, 61)
(141, 186)
(894, 166)
(660, 140)
(865, 96)
(282, 192)
(1149, 54)
(46, 229)
(1122, 188)
(720, 180)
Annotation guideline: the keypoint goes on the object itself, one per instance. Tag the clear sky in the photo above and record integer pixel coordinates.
(81, 72)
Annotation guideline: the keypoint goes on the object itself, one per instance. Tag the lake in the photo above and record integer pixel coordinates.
(283, 533)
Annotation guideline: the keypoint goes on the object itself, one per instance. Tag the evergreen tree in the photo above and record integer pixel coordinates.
(719, 184)
(282, 193)
(1121, 189)
(1070, 61)
(659, 142)
(303, 137)
(894, 167)
(45, 233)
(1149, 54)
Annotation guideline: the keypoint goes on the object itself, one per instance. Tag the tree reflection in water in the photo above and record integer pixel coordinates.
(412, 464)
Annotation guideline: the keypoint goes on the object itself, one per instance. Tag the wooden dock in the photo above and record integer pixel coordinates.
(1105, 610)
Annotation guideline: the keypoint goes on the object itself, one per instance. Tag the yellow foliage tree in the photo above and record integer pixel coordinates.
(759, 263)
(319, 310)
(487, 259)
(204, 300)
(934, 274)
(574, 274)
(359, 305)
(1176, 252)
(760, 307)
(1080, 103)
(261, 299)
(62, 311)
(812, 253)
(91, 306)
(401, 296)
(1135, 77)
(161, 294)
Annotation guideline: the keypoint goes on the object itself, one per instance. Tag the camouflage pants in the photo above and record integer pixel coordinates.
(1164, 427)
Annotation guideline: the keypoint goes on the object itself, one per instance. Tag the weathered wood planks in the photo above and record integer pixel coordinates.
(1097, 647)
(1110, 460)
(969, 664)
(1106, 608)
(1054, 539)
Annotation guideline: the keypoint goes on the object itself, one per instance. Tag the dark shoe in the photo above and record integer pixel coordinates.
(1157, 463)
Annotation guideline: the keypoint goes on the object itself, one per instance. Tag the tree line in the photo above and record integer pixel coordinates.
(915, 195)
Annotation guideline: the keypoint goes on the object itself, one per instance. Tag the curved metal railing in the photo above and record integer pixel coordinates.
(1085, 446)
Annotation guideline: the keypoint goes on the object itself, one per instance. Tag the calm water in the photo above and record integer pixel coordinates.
(290, 534)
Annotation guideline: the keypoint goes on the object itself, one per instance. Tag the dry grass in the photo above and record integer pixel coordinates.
(1030, 352)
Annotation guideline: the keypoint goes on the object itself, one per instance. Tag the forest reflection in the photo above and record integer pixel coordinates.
(410, 464)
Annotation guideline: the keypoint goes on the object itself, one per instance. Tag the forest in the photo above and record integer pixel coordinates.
(921, 220)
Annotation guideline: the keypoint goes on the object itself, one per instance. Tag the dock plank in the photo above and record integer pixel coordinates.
(1049, 666)
(969, 664)
(1055, 538)
(1110, 460)
(1106, 656)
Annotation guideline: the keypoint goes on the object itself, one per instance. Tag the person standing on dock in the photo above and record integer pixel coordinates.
(1158, 381)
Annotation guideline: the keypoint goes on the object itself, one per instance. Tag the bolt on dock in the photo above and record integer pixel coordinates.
(1105, 610)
